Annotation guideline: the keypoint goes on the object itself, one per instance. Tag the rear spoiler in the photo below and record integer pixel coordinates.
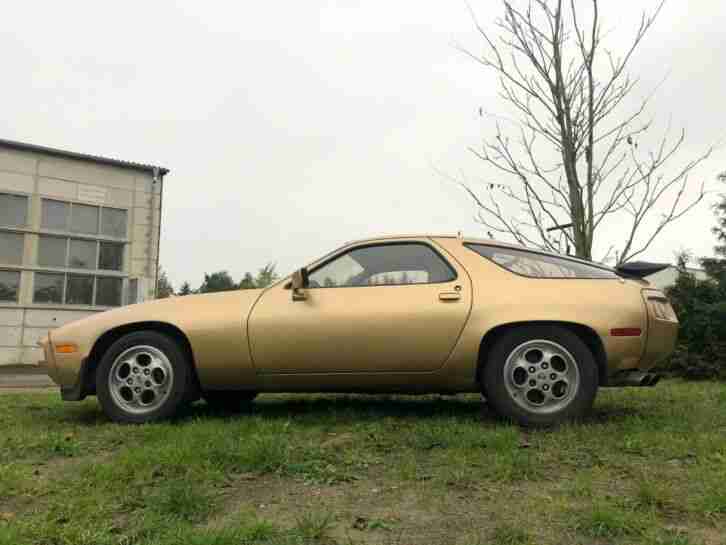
(639, 269)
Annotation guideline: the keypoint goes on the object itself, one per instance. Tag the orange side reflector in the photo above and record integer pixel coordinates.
(67, 348)
(625, 332)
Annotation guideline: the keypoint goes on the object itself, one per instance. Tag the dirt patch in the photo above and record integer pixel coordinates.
(363, 511)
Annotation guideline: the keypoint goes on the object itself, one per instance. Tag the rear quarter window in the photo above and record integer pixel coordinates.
(537, 265)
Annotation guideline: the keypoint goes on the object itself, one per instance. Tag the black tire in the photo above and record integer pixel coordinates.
(229, 400)
(178, 367)
(509, 402)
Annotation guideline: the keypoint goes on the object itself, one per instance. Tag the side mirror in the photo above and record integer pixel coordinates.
(299, 283)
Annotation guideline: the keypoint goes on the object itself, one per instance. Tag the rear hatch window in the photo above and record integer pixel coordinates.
(540, 265)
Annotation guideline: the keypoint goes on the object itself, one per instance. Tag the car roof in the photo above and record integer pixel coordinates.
(474, 240)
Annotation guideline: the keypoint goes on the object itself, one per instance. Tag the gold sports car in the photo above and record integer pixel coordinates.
(536, 333)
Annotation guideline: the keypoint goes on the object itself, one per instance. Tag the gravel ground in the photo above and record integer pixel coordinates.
(14, 380)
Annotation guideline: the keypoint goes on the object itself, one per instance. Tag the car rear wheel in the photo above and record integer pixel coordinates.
(540, 375)
(143, 377)
(229, 400)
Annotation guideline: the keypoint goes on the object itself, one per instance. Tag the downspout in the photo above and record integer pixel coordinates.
(158, 177)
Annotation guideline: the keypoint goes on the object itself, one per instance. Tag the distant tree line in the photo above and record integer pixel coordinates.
(218, 281)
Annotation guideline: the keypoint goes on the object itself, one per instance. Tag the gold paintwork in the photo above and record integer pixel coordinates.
(410, 338)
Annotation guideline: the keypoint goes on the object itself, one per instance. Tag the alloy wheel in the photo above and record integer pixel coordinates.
(541, 376)
(141, 379)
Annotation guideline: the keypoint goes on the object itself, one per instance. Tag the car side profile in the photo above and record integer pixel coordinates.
(536, 333)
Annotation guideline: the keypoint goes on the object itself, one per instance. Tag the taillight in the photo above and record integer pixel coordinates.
(659, 307)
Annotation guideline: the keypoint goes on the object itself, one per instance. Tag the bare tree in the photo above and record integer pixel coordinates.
(572, 159)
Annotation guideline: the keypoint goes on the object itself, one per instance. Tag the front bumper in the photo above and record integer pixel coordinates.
(79, 390)
(73, 386)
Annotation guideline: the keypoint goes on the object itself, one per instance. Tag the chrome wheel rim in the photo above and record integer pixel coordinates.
(541, 376)
(141, 379)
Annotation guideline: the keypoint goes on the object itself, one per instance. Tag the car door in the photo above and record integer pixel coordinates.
(394, 306)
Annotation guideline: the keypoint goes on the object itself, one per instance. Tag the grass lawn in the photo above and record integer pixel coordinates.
(647, 466)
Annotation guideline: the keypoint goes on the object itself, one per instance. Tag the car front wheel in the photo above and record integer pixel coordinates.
(540, 375)
(143, 377)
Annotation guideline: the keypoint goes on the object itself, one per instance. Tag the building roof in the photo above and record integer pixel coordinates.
(82, 156)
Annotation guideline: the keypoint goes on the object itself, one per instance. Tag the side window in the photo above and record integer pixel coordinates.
(539, 265)
(383, 264)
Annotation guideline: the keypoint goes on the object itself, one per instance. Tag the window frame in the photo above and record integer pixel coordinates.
(63, 289)
(21, 234)
(20, 286)
(68, 239)
(122, 258)
(71, 219)
(468, 246)
(94, 290)
(348, 249)
(28, 199)
(100, 222)
(68, 227)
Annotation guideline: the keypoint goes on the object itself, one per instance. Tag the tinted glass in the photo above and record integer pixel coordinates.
(537, 265)
(11, 248)
(54, 215)
(52, 251)
(383, 264)
(82, 254)
(111, 256)
(13, 210)
(113, 222)
(84, 219)
(108, 292)
(48, 288)
(9, 286)
(79, 290)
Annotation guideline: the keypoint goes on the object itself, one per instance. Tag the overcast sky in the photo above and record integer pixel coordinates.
(293, 127)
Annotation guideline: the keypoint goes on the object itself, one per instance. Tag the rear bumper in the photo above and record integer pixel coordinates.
(662, 332)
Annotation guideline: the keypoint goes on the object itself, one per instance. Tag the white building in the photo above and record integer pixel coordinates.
(78, 234)
(667, 277)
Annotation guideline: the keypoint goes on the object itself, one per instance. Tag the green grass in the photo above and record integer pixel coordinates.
(647, 466)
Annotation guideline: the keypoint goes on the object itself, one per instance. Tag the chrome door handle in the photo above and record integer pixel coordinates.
(449, 296)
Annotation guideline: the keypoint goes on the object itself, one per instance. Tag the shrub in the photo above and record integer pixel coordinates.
(701, 309)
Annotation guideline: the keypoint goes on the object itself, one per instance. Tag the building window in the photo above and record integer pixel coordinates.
(13, 210)
(11, 248)
(113, 222)
(54, 215)
(52, 251)
(76, 253)
(9, 286)
(48, 288)
(82, 254)
(83, 218)
(111, 256)
(77, 289)
(87, 251)
(108, 292)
